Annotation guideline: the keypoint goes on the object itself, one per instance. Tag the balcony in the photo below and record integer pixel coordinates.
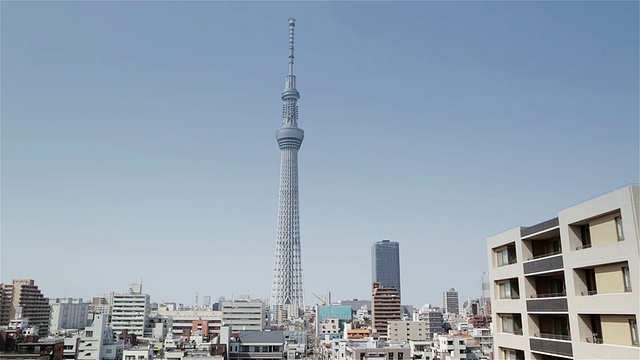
(552, 344)
(546, 263)
(543, 226)
(547, 305)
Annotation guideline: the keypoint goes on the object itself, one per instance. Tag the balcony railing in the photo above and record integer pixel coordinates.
(545, 255)
(553, 336)
(563, 293)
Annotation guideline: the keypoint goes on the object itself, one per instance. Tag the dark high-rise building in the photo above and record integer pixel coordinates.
(450, 302)
(385, 264)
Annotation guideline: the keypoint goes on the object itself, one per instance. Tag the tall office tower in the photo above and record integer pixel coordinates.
(385, 307)
(287, 293)
(25, 294)
(568, 287)
(385, 264)
(450, 302)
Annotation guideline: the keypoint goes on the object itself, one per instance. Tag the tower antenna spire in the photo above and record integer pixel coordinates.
(292, 25)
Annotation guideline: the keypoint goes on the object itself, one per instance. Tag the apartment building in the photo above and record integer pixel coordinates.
(567, 288)
(403, 331)
(243, 314)
(98, 343)
(432, 316)
(450, 302)
(451, 347)
(130, 311)
(386, 307)
(34, 306)
(262, 345)
(68, 314)
(184, 323)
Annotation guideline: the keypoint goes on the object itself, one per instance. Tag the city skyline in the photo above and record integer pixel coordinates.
(137, 138)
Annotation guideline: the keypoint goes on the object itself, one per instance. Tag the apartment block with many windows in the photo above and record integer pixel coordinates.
(567, 288)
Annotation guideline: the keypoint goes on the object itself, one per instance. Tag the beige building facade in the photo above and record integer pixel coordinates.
(403, 331)
(567, 288)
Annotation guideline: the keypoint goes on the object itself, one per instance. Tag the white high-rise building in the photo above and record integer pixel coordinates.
(568, 287)
(130, 311)
(68, 314)
(287, 296)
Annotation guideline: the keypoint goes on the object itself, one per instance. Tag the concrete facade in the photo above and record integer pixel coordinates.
(97, 342)
(243, 315)
(130, 311)
(68, 314)
(403, 331)
(568, 287)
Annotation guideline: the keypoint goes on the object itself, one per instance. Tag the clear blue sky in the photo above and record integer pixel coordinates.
(138, 139)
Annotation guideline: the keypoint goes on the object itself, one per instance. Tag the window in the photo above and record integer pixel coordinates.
(585, 235)
(506, 256)
(508, 290)
(88, 333)
(510, 354)
(627, 279)
(619, 228)
(390, 356)
(511, 324)
(633, 325)
(109, 351)
(553, 247)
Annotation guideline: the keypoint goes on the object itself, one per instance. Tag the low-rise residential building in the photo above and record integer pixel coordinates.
(97, 342)
(138, 353)
(330, 326)
(71, 346)
(452, 347)
(184, 323)
(421, 349)
(403, 331)
(262, 345)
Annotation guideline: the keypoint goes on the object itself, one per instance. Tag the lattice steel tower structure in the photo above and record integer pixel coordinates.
(287, 292)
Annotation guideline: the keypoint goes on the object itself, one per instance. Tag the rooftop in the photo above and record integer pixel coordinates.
(260, 337)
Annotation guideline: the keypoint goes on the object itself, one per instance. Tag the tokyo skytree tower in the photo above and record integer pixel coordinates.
(286, 291)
